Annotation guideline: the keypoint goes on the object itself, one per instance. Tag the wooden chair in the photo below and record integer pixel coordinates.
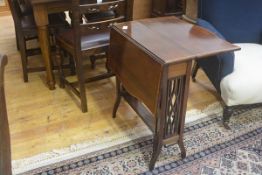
(5, 148)
(26, 30)
(89, 38)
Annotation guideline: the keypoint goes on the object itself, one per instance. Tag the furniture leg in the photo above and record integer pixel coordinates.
(183, 109)
(182, 148)
(107, 63)
(22, 47)
(194, 71)
(72, 64)
(17, 41)
(226, 116)
(59, 63)
(45, 48)
(81, 81)
(93, 61)
(41, 18)
(157, 145)
(118, 97)
(160, 121)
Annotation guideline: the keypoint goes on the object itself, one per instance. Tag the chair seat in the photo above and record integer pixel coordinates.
(88, 41)
(244, 85)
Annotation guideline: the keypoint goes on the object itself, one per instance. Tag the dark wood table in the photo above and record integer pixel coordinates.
(152, 60)
(41, 10)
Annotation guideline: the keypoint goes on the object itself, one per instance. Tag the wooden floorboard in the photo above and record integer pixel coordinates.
(42, 120)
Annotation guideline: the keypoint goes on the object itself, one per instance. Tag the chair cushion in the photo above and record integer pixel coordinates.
(244, 85)
(218, 66)
(88, 41)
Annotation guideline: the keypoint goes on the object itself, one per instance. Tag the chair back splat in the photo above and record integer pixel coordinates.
(5, 148)
(90, 17)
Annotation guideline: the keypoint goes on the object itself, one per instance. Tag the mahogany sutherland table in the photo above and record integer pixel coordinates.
(152, 60)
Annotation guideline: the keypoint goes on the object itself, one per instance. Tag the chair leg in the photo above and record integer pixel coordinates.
(194, 71)
(72, 65)
(59, 62)
(81, 81)
(118, 97)
(17, 40)
(93, 61)
(227, 113)
(22, 47)
(107, 64)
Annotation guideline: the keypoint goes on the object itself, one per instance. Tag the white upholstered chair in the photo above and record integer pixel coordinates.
(238, 79)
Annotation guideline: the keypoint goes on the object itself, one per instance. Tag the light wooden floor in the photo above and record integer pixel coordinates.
(41, 120)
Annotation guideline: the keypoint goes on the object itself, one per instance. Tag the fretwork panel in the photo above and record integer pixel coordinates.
(175, 91)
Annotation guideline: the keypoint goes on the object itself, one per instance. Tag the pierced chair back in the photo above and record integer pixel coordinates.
(5, 148)
(84, 26)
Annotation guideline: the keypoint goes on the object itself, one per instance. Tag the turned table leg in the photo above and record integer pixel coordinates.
(41, 18)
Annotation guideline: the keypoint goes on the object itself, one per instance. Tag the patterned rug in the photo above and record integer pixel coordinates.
(211, 150)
